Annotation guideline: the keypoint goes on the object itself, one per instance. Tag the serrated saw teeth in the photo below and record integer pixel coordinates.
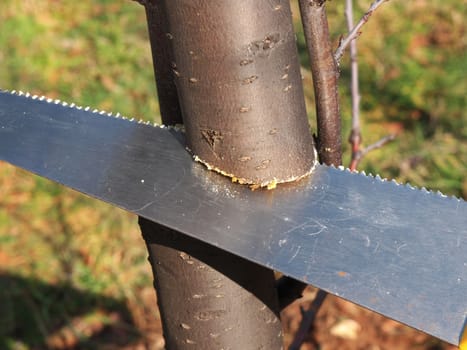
(394, 182)
(42, 98)
(180, 128)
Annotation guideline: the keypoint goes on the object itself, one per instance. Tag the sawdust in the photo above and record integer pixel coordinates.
(268, 184)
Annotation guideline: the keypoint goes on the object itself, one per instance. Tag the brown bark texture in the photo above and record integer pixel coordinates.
(325, 76)
(162, 53)
(239, 83)
(237, 74)
(208, 298)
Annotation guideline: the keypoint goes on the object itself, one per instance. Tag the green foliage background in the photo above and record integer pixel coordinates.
(96, 53)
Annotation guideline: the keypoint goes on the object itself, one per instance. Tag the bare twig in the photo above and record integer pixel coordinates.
(355, 31)
(361, 153)
(308, 318)
(355, 137)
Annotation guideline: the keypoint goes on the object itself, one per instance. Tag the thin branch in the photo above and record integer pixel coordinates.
(355, 137)
(361, 153)
(288, 290)
(308, 318)
(355, 32)
(377, 144)
(325, 75)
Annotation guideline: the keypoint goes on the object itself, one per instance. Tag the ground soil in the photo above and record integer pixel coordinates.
(345, 326)
(339, 325)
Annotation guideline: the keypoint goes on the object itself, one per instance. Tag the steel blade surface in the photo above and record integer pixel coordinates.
(393, 249)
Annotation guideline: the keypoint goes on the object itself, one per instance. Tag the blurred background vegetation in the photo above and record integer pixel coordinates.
(71, 267)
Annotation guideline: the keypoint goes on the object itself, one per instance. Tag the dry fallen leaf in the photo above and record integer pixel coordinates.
(346, 329)
(463, 344)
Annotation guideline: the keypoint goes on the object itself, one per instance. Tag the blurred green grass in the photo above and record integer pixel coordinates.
(412, 66)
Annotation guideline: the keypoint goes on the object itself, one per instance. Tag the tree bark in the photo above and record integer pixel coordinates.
(240, 88)
(236, 70)
(325, 76)
(162, 53)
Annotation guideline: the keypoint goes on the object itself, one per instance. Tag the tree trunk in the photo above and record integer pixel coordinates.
(240, 88)
(325, 75)
(236, 70)
(208, 298)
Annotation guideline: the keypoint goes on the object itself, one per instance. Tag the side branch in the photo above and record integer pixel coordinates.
(308, 317)
(355, 32)
(325, 77)
(355, 137)
(359, 154)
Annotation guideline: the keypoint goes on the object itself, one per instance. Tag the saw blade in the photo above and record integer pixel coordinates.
(391, 248)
